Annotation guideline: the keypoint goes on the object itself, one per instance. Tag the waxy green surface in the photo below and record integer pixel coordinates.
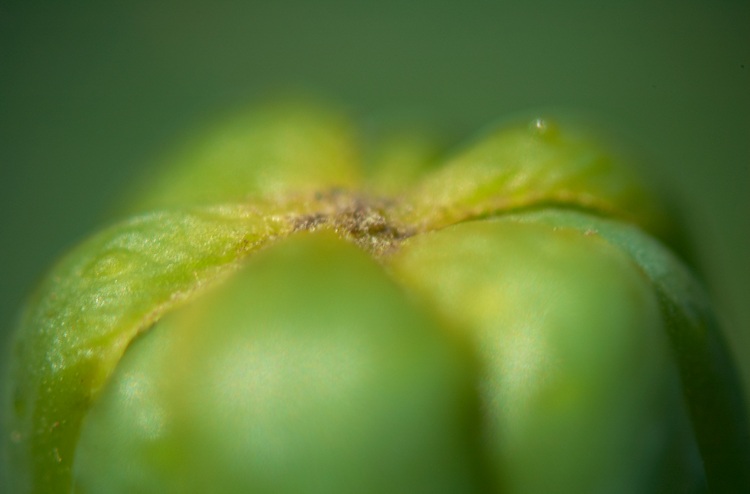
(272, 316)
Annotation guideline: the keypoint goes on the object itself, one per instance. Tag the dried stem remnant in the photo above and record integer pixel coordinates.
(359, 219)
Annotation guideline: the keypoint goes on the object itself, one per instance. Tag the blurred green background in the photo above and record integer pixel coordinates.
(91, 91)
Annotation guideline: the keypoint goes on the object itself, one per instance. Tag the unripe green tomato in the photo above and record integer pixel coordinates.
(276, 313)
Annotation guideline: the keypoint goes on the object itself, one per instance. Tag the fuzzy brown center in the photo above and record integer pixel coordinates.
(360, 219)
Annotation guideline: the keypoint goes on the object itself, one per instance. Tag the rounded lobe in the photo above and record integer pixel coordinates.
(578, 383)
(533, 164)
(307, 372)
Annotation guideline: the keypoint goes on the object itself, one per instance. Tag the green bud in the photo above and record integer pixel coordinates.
(272, 316)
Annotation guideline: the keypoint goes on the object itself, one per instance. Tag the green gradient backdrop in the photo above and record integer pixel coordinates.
(89, 92)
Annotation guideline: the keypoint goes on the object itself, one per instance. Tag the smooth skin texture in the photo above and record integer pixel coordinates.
(280, 383)
(270, 314)
(578, 378)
